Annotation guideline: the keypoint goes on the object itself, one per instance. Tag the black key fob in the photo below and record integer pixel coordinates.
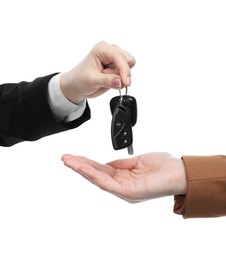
(121, 128)
(129, 102)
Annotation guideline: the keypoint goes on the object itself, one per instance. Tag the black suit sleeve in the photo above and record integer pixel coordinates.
(25, 114)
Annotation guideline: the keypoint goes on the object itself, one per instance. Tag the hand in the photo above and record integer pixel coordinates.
(101, 69)
(140, 178)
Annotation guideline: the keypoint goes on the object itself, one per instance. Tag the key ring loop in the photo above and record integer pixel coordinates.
(120, 92)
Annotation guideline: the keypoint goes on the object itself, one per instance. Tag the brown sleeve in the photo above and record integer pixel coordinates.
(206, 187)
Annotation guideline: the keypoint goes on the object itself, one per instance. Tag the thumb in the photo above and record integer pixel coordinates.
(112, 78)
(106, 80)
(125, 164)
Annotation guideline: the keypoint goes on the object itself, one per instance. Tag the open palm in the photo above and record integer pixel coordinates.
(140, 178)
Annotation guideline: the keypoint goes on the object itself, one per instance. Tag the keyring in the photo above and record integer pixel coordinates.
(120, 92)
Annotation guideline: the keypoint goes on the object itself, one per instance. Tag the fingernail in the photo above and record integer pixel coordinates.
(128, 80)
(116, 82)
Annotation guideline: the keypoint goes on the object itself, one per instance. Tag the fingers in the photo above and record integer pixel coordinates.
(92, 171)
(76, 162)
(130, 59)
(122, 60)
(120, 185)
(98, 166)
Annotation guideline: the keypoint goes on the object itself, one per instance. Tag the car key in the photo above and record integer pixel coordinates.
(121, 128)
(123, 109)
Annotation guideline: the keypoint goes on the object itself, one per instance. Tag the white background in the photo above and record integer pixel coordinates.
(48, 211)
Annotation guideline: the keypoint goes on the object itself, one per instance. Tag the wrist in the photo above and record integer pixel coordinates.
(69, 89)
(181, 179)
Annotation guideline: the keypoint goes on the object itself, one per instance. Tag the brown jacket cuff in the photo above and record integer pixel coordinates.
(206, 187)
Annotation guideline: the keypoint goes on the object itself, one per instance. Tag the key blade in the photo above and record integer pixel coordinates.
(130, 149)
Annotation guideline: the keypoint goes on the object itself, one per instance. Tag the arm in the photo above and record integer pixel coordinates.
(198, 182)
(137, 179)
(25, 112)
